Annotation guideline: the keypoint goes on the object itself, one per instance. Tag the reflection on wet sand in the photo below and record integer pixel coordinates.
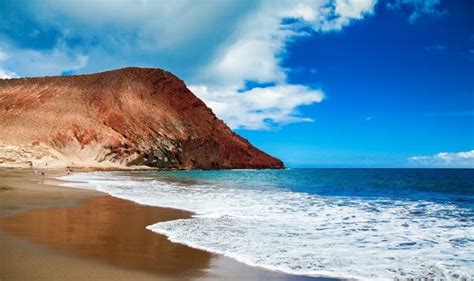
(111, 230)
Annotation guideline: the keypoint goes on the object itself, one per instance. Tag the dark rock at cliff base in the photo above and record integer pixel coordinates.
(130, 116)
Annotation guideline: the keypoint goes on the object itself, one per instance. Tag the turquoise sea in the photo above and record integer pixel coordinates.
(349, 223)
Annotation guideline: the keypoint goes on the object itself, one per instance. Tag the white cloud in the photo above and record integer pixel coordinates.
(146, 25)
(254, 52)
(464, 159)
(259, 108)
(304, 11)
(31, 62)
(179, 36)
(345, 11)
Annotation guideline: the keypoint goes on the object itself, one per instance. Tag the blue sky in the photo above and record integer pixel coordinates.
(321, 83)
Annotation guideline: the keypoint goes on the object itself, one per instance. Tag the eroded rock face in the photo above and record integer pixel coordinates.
(130, 116)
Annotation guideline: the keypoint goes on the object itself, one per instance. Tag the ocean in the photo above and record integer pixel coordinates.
(369, 224)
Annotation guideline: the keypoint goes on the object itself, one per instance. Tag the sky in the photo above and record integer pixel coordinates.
(316, 83)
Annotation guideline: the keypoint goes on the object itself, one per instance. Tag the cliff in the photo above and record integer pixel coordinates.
(125, 117)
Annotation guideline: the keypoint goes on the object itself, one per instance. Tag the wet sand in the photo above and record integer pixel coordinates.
(48, 232)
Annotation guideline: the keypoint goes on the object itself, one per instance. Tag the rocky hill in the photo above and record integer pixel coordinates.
(120, 118)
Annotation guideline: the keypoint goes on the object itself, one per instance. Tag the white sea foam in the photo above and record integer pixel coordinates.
(307, 234)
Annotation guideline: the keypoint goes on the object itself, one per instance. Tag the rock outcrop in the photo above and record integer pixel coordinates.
(125, 117)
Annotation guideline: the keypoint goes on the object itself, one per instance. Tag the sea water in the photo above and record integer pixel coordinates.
(349, 223)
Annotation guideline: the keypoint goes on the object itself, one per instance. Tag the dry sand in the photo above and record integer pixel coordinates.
(49, 232)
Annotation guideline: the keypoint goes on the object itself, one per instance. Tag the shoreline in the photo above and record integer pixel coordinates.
(55, 225)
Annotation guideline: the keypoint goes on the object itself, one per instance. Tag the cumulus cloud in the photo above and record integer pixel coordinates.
(256, 47)
(254, 52)
(418, 8)
(259, 108)
(31, 62)
(342, 12)
(463, 158)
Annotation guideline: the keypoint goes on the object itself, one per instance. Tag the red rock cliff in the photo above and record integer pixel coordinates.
(130, 116)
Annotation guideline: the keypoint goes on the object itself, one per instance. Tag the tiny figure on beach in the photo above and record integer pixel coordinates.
(43, 172)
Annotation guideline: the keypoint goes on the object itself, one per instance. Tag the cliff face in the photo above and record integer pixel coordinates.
(130, 116)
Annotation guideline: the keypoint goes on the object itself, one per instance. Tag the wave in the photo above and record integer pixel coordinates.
(307, 234)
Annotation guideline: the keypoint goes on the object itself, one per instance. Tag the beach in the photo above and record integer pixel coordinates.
(50, 232)
(365, 224)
